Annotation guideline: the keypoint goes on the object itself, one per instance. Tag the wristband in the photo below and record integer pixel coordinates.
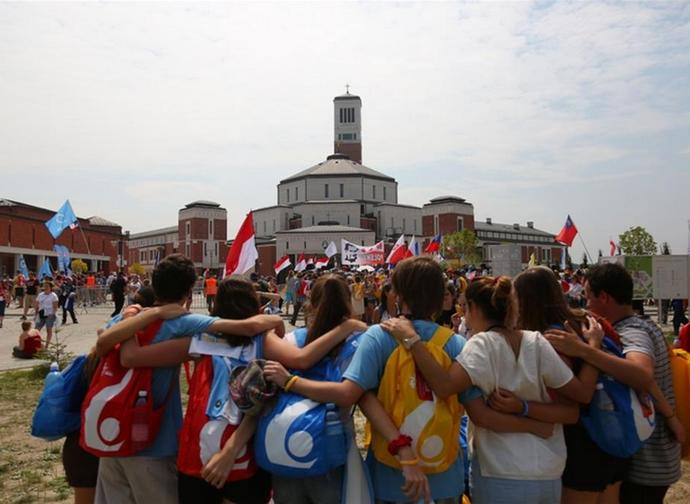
(408, 342)
(410, 462)
(401, 441)
(290, 383)
(525, 409)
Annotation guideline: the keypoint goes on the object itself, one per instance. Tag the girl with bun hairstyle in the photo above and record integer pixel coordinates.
(506, 467)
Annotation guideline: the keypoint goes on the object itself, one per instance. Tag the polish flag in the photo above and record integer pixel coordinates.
(413, 248)
(310, 261)
(398, 252)
(613, 247)
(301, 263)
(282, 264)
(242, 255)
(321, 262)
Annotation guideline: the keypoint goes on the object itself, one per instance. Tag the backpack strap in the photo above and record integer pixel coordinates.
(441, 336)
(146, 335)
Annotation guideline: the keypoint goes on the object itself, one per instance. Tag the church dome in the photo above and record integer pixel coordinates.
(338, 165)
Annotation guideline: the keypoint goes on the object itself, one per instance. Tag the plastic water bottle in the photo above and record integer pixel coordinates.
(54, 404)
(604, 402)
(53, 375)
(140, 426)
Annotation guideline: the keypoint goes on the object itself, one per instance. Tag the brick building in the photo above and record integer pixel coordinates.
(96, 241)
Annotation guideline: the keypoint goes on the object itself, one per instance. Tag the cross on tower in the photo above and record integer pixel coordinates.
(347, 89)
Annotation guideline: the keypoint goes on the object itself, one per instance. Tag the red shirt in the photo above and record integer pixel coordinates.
(32, 344)
(684, 338)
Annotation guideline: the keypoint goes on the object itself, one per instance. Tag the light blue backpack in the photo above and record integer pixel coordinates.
(299, 437)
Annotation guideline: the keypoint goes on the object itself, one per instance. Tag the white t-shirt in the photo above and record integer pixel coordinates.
(45, 303)
(490, 362)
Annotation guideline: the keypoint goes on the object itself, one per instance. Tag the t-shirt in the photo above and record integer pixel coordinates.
(491, 363)
(366, 370)
(45, 303)
(168, 379)
(211, 286)
(658, 462)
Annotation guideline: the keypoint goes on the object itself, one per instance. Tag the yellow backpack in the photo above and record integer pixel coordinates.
(433, 424)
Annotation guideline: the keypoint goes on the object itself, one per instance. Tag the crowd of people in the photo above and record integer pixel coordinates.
(425, 354)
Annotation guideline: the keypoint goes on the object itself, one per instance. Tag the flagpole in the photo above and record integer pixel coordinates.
(585, 246)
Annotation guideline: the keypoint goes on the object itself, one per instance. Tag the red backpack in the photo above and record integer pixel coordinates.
(116, 420)
(201, 436)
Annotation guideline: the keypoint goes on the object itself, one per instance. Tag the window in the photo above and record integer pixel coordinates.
(305, 245)
(287, 195)
(348, 220)
(141, 256)
(384, 193)
(296, 193)
(264, 226)
(187, 250)
(210, 228)
(188, 229)
(347, 136)
(354, 136)
(342, 190)
(312, 220)
(274, 225)
(392, 223)
(215, 249)
(341, 115)
(373, 192)
(325, 191)
(287, 245)
(205, 250)
(460, 224)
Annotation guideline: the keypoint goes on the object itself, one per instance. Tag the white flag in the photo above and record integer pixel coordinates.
(331, 250)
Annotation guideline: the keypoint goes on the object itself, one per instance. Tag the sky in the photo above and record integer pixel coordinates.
(530, 111)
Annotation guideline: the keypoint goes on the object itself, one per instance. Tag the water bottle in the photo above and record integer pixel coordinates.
(140, 426)
(53, 375)
(604, 402)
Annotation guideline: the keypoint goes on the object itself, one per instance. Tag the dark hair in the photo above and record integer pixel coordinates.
(383, 306)
(418, 281)
(173, 278)
(329, 306)
(494, 297)
(145, 297)
(26, 325)
(236, 299)
(541, 303)
(613, 279)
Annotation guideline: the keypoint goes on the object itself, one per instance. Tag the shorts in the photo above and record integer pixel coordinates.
(19, 292)
(588, 468)
(290, 297)
(490, 490)
(136, 479)
(29, 300)
(254, 490)
(48, 322)
(81, 468)
(324, 489)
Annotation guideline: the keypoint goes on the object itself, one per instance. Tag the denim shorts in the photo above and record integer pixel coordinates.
(48, 322)
(509, 491)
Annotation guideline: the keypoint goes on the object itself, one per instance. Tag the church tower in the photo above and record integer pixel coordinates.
(347, 120)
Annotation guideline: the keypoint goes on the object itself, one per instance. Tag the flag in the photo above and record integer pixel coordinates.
(62, 219)
(45, 269)
(532, 260)
(321, 262)
(282, 263)
(331, 250)
(63, 257)
(301, 263)
(243, 254)
(613, 247)
(310, 261)
(22, 266)
(568, 233)
(157, 256)
(398, 252)
(413, 248)
(434, 245)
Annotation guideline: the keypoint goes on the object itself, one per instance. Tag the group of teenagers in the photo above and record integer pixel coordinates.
(525, 369)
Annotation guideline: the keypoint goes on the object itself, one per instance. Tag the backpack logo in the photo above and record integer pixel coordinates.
(291, 449)
(211, 440)
(100, 434)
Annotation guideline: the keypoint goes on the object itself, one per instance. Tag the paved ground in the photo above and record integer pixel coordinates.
(79, 338)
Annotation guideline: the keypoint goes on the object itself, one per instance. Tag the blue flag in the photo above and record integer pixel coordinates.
(62, 257)
(62, 219)
(22, 266)
(45, 270)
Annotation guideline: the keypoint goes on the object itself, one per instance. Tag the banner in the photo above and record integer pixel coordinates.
(358, 255)
(640, 268)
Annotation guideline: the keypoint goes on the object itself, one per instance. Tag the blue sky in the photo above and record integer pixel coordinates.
(531, 111)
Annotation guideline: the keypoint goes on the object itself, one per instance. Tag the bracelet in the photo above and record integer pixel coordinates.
(410, 462)
(290, 383)
(401, 441)
(525, 408)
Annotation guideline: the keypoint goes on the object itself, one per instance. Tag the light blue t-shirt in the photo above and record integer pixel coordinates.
(366, 370)
(165, 444)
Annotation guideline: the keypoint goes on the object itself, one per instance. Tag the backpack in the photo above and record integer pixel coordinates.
(58, 412)
(299, 437)
(110, 406)
(680, 368)
(618, 419)
(212, 416)
(433, 424)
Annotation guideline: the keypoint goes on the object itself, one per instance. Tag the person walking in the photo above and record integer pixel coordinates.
(118, 287)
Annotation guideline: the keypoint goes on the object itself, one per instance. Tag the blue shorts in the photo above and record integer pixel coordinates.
(290, 297)
(509, 491)
(48, 322)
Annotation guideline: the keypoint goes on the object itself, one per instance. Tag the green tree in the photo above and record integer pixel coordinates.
(462, 246)
(637, 241)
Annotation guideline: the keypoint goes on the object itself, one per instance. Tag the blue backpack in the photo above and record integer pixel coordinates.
(618, 420)
(58, 412)
(300, 437)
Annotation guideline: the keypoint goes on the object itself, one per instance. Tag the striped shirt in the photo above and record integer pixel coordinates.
(658, 462)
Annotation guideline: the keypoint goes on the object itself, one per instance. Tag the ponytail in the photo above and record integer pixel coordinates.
(329, 305)
(495, 298)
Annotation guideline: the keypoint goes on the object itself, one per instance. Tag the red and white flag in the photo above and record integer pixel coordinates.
(413, 247)
(398, 252)
(613, 247)
(282, 264)
(301, 263)
(321, 262)
(242, 255)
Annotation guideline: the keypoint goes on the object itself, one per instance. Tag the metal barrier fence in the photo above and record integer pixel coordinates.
(100, 298)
